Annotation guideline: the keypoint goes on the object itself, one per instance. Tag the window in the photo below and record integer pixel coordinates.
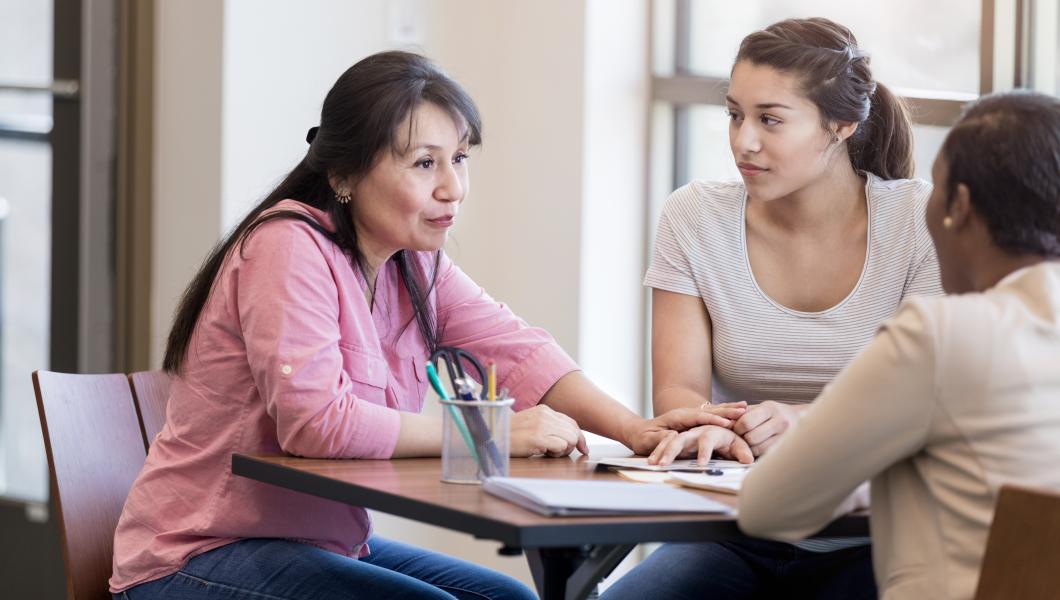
(25, 240)
(899, 33)
(1041, 20)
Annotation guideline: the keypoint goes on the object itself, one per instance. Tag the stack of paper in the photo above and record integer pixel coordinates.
(566, 497)
(644, 476)
(727, 481)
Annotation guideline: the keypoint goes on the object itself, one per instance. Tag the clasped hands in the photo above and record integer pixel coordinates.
(732, 430)
(750, 432)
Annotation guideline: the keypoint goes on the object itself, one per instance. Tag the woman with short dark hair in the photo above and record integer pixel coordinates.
(956, 396)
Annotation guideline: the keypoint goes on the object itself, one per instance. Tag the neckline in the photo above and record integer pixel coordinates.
(1020, 272)
(871, 209)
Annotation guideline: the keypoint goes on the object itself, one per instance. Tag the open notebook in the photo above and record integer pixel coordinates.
(567, 497)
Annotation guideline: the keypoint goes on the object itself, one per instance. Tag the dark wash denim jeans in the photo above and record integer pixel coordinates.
(748, 568)
(270, 569)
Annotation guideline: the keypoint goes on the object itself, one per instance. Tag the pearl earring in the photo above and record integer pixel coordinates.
(947, 223)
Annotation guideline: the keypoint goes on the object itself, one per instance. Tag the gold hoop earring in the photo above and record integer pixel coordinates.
(947, 223)
(343, 198)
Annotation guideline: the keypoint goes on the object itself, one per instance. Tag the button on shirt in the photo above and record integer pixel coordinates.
(287, 357)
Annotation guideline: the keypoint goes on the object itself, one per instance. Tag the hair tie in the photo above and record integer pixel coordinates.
(311, 135)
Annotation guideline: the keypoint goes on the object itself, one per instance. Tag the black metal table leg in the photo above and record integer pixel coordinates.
(572, 573)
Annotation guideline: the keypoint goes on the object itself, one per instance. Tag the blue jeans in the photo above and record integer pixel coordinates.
(271, 569)
(748, 569)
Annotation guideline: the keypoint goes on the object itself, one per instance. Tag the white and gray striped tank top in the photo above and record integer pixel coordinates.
(761, 349)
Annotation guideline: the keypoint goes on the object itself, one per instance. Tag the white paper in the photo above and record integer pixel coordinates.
(728, 482)
(571, 497)
(644, 476)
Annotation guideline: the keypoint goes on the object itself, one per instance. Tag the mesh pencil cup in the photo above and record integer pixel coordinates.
(475, 439)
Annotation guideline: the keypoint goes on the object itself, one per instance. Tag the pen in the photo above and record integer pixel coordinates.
(491, 376)
(436, 383)
(479, 429)
(491, 392)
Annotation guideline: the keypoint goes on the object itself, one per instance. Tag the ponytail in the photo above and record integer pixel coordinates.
(885, 148)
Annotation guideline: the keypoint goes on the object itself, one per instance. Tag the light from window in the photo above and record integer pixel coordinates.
(914, 45)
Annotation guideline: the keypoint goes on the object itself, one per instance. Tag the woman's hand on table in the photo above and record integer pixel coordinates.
(701, 442)
(541, 430)
(644, 435)
(762, 425)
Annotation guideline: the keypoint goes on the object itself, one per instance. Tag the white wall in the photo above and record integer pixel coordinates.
(279, 62)
(554, 224)
(614, 188)
(187, 156)
(523, 63)
(553, 221)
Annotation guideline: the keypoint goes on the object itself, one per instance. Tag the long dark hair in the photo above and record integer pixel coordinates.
(358, 121)
(1006, 149)
(835, 75)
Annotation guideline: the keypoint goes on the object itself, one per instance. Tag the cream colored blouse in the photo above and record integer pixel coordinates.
(955, 397)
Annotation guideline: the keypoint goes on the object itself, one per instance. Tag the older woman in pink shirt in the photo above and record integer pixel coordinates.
(306, 332)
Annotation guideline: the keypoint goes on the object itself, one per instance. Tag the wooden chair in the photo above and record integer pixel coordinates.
(1022, 558)
(150, 390)
(95, 451)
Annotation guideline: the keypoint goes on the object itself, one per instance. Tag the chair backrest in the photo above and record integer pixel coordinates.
(1022, 558)
(150, 390)
(95, 451)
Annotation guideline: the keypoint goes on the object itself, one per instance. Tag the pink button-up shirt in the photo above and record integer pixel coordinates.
(287, 357)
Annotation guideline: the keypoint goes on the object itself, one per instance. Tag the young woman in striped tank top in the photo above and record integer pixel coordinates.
(764, 289)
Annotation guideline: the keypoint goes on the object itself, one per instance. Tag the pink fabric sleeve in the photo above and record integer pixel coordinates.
(288, 305)
(529, 361)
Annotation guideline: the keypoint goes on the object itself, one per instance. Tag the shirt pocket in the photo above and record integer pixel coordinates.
(368, 373)
(410, 384)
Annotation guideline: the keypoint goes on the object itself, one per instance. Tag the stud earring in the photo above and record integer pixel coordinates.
(835, 139)
(342, 197)
(947, 223)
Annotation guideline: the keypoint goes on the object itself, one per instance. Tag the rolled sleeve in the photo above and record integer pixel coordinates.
(530, 379)
(288, 309)
(529, 361)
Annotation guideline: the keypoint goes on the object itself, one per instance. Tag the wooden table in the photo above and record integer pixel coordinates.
(567, 555)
